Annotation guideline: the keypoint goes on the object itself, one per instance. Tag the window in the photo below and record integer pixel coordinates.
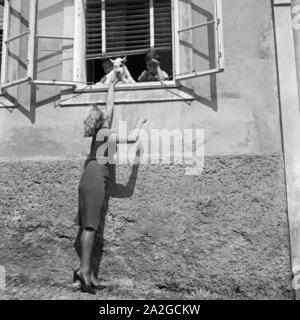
(18, 41)
(198, 38)
(117, 28)
(24, 47)
(188, 35)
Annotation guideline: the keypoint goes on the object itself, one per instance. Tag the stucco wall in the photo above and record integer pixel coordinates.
(219, 235)
(222, 234)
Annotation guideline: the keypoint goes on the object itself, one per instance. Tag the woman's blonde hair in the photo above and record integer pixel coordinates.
(93, 120)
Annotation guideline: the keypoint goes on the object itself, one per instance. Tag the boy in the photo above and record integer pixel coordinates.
(107, 67)
(153, 72)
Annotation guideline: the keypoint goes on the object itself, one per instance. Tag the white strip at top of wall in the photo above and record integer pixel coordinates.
(281, 2)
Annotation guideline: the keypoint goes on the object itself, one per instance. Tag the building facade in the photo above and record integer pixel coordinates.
(219, 228)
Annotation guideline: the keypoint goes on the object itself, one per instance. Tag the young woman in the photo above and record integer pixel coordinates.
(92, 186)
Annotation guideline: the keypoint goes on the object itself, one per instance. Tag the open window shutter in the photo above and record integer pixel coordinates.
(54, 48)
(18, 42)
(199, 38)
(29, 55)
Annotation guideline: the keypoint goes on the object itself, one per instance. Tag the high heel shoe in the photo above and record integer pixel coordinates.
(96, 285)
(75, 275)
(84, 286)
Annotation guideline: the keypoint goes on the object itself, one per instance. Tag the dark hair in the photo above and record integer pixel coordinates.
(105, 60)
(152, 55)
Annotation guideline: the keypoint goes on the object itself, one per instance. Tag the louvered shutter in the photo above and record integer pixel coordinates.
(162, 24)
(93, 29)
(127, 27)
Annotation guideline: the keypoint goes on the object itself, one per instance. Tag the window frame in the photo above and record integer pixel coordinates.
(32, 38)
(3, 34)
(219, 42)
(126, 87)
(6, 40)
(177, 77)
(78, 82)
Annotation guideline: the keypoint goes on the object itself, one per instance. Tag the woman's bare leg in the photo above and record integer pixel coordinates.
(94, 279)
(87, 244)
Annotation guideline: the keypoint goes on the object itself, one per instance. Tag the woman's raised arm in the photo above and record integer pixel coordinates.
(109, 107)
(134, 134)
(109, 135)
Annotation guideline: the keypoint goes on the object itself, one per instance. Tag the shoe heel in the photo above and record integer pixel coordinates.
(84, 286)
(76, 276)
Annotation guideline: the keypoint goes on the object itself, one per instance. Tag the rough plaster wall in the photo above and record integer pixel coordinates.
(223, 234)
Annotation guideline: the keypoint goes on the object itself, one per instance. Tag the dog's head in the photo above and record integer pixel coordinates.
(119, 67)
(119, 71)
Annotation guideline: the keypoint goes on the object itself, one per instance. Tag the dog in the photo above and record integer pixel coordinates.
(120, 70)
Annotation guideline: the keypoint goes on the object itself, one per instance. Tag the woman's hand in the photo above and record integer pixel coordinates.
(141, 121)
(155, 63)
(112, 78)
(115, 79)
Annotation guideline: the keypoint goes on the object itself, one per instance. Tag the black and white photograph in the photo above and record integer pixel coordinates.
(150, 150)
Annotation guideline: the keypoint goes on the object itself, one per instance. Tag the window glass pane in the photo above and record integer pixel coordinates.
(199, 40)
(203, 38)
(48, 57)
(18, 48)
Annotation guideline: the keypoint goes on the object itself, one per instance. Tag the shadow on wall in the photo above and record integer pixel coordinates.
(28, 142)
(30, 112)
(192, 86)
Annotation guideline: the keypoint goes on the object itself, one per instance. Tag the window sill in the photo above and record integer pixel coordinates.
(125, 94)
(127, 86)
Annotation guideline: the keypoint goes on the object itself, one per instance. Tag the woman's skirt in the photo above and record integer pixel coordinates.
(91, 191)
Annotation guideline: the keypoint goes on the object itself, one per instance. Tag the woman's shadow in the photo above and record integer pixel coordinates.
(114, 190)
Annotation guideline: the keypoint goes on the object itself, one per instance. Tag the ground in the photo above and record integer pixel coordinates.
(220, 235)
